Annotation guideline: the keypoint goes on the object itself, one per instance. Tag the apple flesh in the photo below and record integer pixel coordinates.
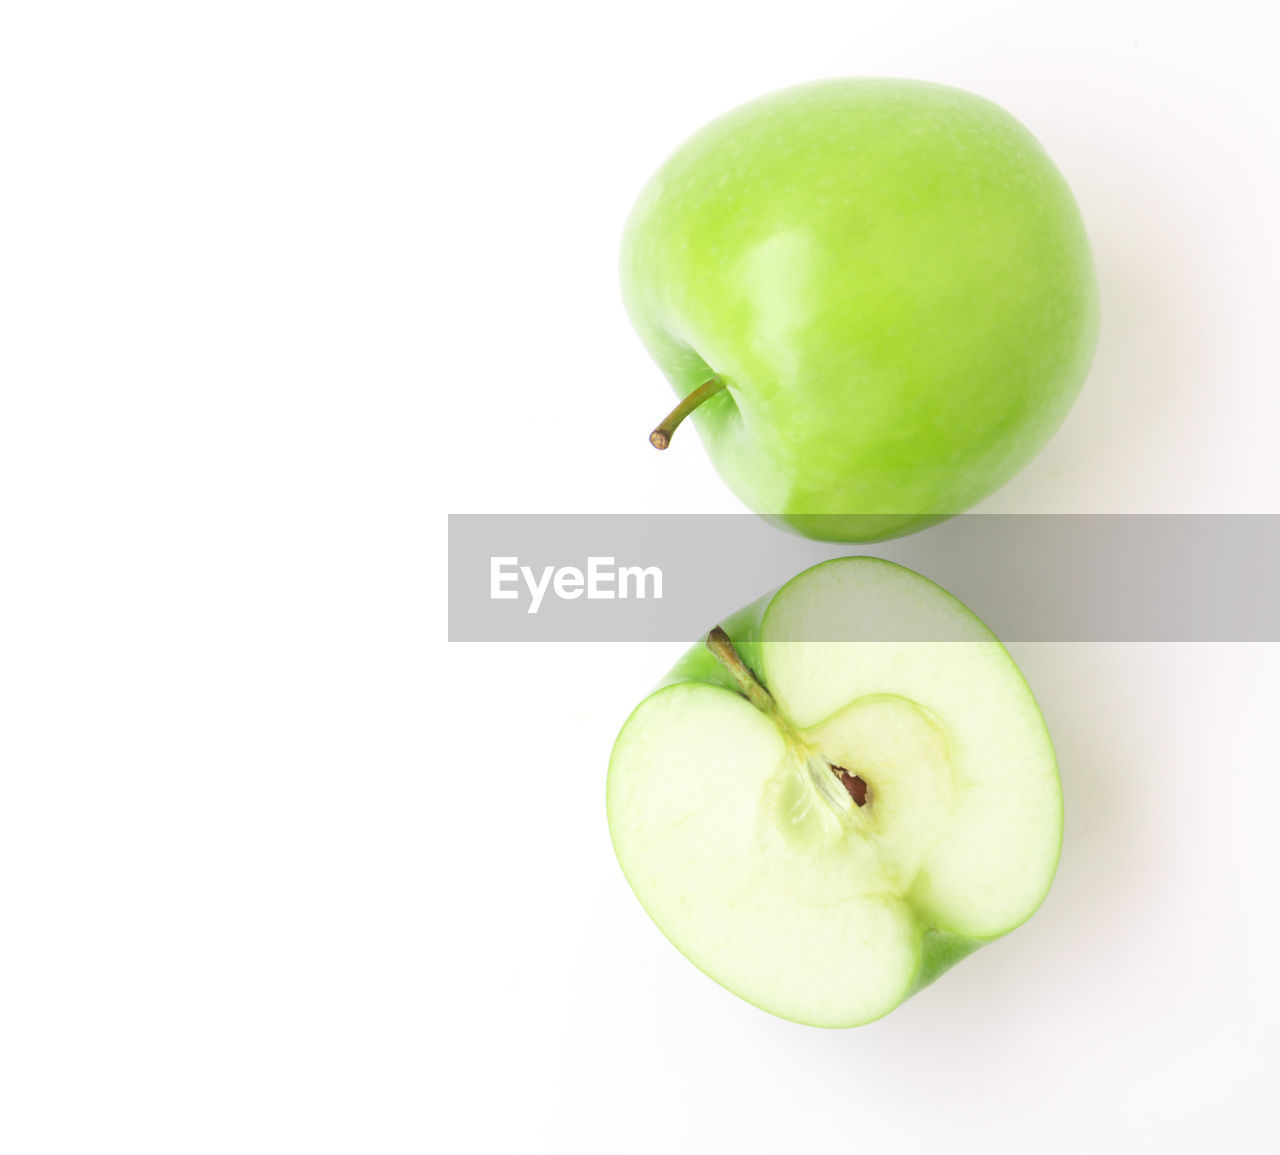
(824, 827)
(884, 286)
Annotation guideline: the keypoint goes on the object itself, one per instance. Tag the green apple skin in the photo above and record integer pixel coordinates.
(939, 945)
(893, 282)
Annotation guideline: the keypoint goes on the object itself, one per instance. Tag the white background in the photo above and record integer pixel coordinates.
(280, 869)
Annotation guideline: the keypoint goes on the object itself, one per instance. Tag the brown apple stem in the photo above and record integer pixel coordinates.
(660, 438)
(719, 644)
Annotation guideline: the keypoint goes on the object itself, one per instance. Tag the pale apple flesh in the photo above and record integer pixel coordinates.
(743, 843)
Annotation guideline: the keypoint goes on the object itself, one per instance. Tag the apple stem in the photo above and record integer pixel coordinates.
(660, 438)
(719, 644)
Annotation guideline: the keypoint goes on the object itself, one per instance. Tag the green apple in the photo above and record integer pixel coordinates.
(824, 827)
(878, 296)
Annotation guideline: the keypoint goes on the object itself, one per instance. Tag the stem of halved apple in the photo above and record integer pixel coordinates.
(660, 438)
(721, 645)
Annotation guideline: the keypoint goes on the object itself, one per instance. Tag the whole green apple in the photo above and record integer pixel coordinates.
(825, 826)
(876, 296)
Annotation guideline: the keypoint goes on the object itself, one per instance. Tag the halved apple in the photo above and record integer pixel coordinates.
(825, 826)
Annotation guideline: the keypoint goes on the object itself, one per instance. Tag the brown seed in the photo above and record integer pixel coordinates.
(856, 786)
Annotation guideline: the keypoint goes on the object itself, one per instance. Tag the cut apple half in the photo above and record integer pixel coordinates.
(825, 826)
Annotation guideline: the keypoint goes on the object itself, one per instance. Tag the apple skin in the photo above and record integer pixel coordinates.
(894, 283)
